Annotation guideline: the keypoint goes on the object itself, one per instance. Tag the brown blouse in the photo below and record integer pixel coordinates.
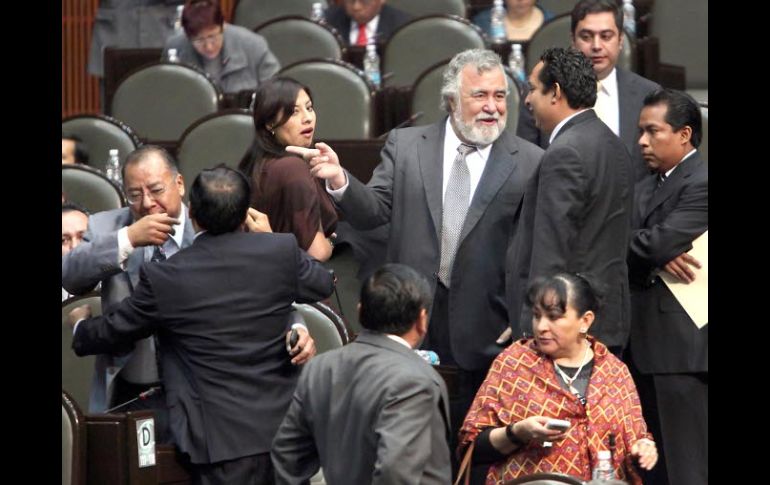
(294, 200)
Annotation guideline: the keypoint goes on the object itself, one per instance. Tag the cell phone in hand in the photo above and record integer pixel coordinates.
(293, 339)
(559, 424)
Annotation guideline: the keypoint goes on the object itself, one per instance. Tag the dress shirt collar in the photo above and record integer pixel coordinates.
(561, 125)
(398, 339)
(371, 30)
(689, 154)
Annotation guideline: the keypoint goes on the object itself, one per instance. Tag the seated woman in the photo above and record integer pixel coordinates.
(235, 57)
(282, 186)
(522, 19)
(561, 373)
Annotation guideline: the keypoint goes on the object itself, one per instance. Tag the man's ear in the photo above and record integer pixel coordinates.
(422, 323)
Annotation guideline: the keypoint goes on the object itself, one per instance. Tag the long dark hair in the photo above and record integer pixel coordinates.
(275, 97)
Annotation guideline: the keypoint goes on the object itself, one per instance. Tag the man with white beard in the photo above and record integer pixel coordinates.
(451, 192)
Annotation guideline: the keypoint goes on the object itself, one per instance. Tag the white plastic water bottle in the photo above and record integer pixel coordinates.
(178, 20)
(516, 63)
(629, 18)
(112, 168)
(317, 12)
(497, 23)
(603, 470)
(372, 65)
(172, 55)
(429, 356)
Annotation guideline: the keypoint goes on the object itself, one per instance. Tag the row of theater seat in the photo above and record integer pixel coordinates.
(162, 100)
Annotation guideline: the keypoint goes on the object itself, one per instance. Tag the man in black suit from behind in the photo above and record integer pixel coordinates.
(669, 352)
(379, 21)
(220, 310)
(577, 207)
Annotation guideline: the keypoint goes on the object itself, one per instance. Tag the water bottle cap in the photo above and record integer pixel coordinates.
(517, 47)
(113, 152)
(604, 454)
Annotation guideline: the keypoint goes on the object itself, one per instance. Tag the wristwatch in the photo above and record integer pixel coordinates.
(512, 436)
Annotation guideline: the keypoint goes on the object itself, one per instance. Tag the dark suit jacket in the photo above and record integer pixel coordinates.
(96, 261)
(406, 190)
(666, 221)
(220, 310)
(575, 217)
(632, 88)
(389, 405)
(391, 19)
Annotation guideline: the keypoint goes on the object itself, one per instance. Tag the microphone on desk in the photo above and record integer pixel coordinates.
(403, 124)
(144, 395)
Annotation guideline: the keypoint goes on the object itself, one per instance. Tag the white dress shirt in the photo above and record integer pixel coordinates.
(371, 30)
(607, 105)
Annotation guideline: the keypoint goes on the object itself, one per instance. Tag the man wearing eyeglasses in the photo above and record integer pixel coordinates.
(234, 57)
(362, 22)
(154, 226)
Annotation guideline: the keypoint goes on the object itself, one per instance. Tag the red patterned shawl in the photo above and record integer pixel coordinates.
(522, 382)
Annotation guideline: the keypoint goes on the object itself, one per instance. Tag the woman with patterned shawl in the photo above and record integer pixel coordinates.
(561, 373)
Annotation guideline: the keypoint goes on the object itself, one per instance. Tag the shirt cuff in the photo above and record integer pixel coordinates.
(124, 247)
(299, 325)
(75, 327)
(337, 194)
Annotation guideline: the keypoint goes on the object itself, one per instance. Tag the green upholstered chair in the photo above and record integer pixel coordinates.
(161, 100)
(101, 134)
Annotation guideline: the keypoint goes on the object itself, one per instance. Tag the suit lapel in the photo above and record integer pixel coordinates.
(671, 184)
(645, 189)
(629, 118)
(430, 159)
(497, 170)
(133, 264)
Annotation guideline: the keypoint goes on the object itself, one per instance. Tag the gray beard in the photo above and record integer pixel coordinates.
(478, 135)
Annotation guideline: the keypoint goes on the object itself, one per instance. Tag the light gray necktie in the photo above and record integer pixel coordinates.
(456, 201)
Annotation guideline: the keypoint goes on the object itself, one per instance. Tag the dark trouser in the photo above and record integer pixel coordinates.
(467, 383)
(126, 391)
(675, 408)
(248, 470)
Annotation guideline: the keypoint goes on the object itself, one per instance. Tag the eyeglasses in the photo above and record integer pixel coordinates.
(136, 197)
(209, 39)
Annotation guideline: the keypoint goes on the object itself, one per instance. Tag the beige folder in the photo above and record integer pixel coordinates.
(694, 297)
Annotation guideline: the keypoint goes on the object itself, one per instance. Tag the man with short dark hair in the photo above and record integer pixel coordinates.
(389, 406)
(577, 207)
(73, 150)
(220, 309)
(362, 22)
(597, 31)
(669, 353)
(74, 222)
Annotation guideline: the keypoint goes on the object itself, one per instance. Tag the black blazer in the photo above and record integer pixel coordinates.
(576, 217)
(390, 19)
(632, 88)
(666, 221)
(220, 311)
